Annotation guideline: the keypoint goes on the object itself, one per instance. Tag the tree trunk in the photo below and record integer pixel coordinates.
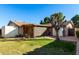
(57, 35)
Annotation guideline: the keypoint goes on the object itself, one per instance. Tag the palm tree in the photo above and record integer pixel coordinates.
(57, 21)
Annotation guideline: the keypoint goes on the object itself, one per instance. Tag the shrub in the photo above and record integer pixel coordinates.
(77, 34)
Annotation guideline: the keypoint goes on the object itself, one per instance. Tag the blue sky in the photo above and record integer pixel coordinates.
(33, 13)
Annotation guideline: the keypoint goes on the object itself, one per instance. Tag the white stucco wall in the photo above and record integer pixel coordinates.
(60, 32)
(9, 31)
(39, 31)
(20, 29)
(54, 32)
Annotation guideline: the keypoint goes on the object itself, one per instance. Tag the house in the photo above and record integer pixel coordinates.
(15, 28)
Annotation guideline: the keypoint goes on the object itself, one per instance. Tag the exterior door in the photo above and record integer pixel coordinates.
(71, 32)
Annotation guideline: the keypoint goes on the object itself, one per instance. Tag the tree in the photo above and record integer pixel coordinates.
(57, 20)
(75, 20)
(41, 22)
(45, 21)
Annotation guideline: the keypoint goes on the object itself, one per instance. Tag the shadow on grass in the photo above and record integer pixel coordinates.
(55, 48)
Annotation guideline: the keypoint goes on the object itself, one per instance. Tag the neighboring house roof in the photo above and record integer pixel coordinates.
(17, 23)
(68, 22)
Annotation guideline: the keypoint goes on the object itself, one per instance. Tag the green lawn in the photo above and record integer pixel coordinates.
(36, 46)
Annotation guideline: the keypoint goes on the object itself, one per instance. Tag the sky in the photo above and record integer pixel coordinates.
(33, 13)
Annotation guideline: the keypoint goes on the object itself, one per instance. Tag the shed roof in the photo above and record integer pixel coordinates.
(19, 23)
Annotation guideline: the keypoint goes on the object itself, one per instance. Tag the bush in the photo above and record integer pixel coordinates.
(77, 34)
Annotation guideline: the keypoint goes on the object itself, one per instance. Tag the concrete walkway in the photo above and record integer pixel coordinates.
(70, 38)
(77, 48)
(74, 39)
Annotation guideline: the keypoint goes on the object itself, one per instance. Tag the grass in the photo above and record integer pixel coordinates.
(36, 46)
